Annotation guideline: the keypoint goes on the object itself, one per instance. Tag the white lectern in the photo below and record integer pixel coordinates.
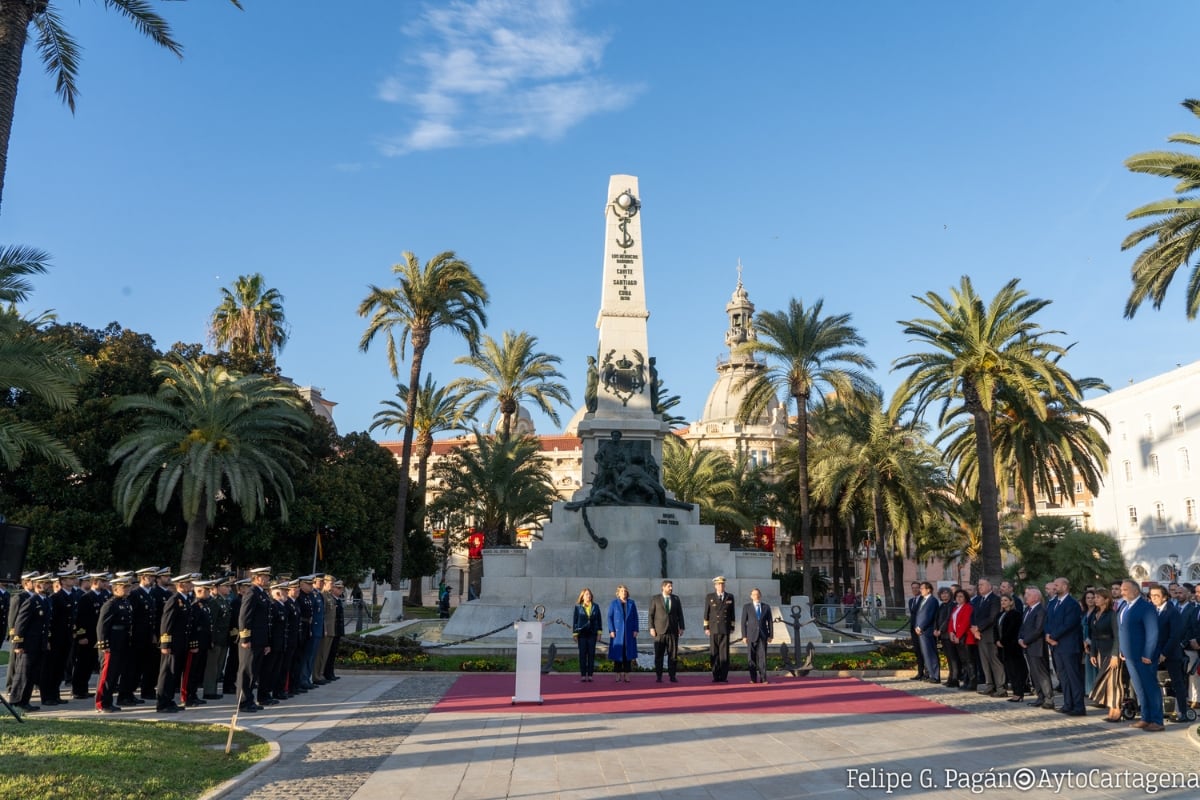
(529, 662)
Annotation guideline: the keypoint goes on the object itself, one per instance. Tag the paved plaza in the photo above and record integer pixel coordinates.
(378, 737)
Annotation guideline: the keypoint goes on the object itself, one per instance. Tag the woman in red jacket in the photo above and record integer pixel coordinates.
(959, 626)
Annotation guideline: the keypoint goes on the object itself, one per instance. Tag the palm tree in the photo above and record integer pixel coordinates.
(977, 352)
(58, 51)
(503, 483)
(445, 293)
(438, 410)
(29, 365)
(807, 353)
(52, 373)
(708, 478)
(208, 435)
(1174, 228)
(249, 320)
(1033, 454)
(512, 371)
(869, 462)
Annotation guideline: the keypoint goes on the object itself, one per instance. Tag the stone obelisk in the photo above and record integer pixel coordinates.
(621, 527)
(622, 374)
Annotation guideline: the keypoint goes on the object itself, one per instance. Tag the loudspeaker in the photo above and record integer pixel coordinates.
(14, 544)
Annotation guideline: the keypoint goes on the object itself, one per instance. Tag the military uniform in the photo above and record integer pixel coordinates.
(173, 641)
(305, 607)
(30, 643)
(62, 613)
(289, 675)
(18, 599)
(339, 630)
(140, 668)
(719, 617)
(229, 677)
(272, 664)
(87, 615)
(218, 610)
(200, 635)
(114, 640)
(253, 640)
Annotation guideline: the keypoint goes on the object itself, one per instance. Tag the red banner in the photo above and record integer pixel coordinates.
(475, 544)
(764, 537)
(799, 551)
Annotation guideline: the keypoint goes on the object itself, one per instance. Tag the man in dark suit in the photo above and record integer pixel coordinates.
(719, 617)
(913, 600)
(926, 614)
(1170, 647)
(983, 623)
(758, 631)
(1032, 639)
(1064, 632)
(666, 623)
(1138, 634)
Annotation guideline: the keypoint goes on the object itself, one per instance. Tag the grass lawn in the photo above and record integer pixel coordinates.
(55, 758)
(3, 657)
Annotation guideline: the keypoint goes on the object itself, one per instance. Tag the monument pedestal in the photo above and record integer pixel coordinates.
(554, 570)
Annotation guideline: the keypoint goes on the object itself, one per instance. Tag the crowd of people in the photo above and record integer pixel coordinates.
(177, 641)
(1106, 651)
(665, 624)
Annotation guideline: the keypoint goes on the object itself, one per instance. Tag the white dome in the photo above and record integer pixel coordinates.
(724, 401)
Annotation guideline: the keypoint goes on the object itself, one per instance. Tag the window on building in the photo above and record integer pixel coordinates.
(1154, 472)
(1139, 573)
(1148, 426)
(1189, 512)
(1177, 423)
(1121, 435)
(1078, 487)
(1127, 468)
(1185, 462)
(1133, 516)
(1160, 517)
(1193, 573)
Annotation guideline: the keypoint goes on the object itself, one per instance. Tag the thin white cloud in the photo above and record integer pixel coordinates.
(496, 71)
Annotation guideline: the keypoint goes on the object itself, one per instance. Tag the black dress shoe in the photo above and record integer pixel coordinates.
(82, 696)
(1048, 706)
(333, 678)
(149, 696)
(658, 679)
(108, 710)
(131, 700)
(1036, 703)
(26, 707)
(1016, 698)
(249, 708)
(1076, 713)
(171, 709)
(674, 679)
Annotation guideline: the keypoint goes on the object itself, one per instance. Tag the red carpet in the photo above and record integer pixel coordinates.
(563, 694)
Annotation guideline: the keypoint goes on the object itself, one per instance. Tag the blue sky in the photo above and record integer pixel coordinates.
(860, 152)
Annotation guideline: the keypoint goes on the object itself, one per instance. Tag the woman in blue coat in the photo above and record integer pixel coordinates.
(622, 633)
